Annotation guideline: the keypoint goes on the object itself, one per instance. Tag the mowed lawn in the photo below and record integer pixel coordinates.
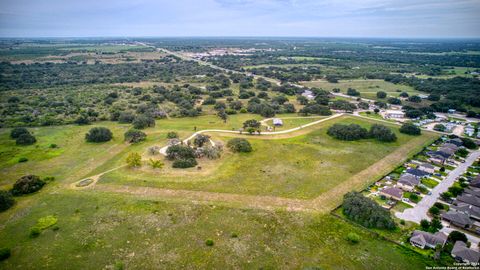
(104, 231)
(302, 167)
(367, 88)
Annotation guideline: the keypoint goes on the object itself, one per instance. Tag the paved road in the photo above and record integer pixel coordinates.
(419, 212)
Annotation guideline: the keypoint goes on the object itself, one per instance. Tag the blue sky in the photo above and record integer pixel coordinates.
(318, 18)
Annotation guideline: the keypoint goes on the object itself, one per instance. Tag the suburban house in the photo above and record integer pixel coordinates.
(451, 146)
(458, 142)
(423, 239)
(277, 122)
(437, 159)
(417, 173)
(476, 182)
(407, 182)
(472, 191)
(392, 193)
(457, 218)
(446, 151)
(472, 211)
(469, 199)
(394, 114)
(428, 168)
(464, 254)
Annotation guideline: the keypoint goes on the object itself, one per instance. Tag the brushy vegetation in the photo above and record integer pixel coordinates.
(27, 184)
(99, 134)
(366, 212)
(239, 145)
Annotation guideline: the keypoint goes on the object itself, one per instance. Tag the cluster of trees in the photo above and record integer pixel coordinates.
(43, 75)
(239, 145)
(22, 136)
(99, 134)
(410, 129)
(458, 91)
(24, 185)
(183, 156)
(366, 212)
(353, 132)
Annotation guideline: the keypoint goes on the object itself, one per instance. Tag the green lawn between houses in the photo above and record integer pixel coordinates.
(98, 229)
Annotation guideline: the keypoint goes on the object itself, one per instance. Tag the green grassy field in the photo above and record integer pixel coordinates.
(99, 229)
(300, 167)
(367, 88)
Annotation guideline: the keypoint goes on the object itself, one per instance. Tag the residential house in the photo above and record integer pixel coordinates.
(426, 167)
(469, 199)
(423, 239)
(450, 146)
(457, 141)
(407, 182)
(472, 211)
(472, 191)
(417, 173)
(476, 182)
(437, 159)
(469, 131)
(446, 152)
(277, 122)
(392, 193)
(464, 254)
(458, 219)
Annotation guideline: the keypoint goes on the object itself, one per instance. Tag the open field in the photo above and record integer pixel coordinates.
(103, 230)
(367, 88)
(301, 167)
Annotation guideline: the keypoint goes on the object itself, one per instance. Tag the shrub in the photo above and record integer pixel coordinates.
(53, 145)
(27, 184)
(381, 94)
(251, 123)
(6, 200)
(353, 238)
(209, 242)
(434, 210)
(455, 236)
(179, 151)
(126, 117)
(366, 212)
(156, 164)
(347, 132)
(172, 135)
(26, 139)
(382, 133)
(410, 129)
(134, 160)
(16, 132)
(143, 121)
(439, 127)
(212, 152)
(239, 145)
(184, 163)
(200, 140)
(99, 134)
(35, 232)
(352, 92)
(4, 253)
(154, 150)
(469, 143)
(22, 159)
(134, 136)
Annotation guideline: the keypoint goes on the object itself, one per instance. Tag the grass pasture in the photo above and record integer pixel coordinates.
(367, 88)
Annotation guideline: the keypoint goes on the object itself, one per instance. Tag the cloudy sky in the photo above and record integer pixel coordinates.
(318, 18)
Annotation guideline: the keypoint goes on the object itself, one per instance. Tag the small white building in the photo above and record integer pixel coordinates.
(277, 122)
(308, 94)
(394, 114)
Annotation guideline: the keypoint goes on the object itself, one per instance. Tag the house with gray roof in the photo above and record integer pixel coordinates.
(392, 193)
(456, 141)
(472, 211)
(462, 253)
(472, 191)
(407, 182)
(458, 219)
(469, 199)
(423, 239)
(426, 167)
(418, 173)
